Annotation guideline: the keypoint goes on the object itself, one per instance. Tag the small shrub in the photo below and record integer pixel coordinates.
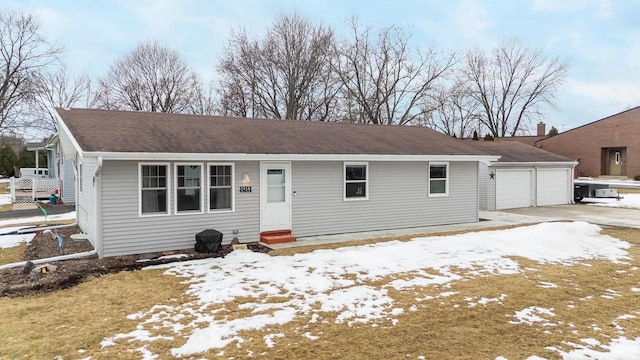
(636, 178)
(488, 137)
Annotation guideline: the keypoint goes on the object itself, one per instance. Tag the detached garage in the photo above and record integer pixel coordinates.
(524, 176)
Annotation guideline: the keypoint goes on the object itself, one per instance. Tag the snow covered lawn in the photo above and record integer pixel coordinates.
(251, 303)
(628, 201)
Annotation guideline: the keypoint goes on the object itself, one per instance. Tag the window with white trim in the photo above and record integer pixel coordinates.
(356, 178)
(188, 187)
(221, 184)
(154, 189)
(438, 179)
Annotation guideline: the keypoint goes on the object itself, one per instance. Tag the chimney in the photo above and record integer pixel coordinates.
(541, 129)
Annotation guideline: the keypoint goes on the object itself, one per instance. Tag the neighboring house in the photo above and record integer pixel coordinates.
(149, 182)
(44, 147)
(58, 167)
(523, 177)
(609, 146)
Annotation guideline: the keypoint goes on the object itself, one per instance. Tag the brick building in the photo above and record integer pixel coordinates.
(609, 146)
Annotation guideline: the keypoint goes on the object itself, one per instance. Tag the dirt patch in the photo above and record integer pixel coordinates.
(68, 273)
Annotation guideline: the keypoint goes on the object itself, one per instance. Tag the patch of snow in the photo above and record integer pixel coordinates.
(38, 219)
(620, 348)
(268, 339)
(334, 278)
(310, 337)
(528, 316)
(9, 241)
(547, 285)
(627, 201)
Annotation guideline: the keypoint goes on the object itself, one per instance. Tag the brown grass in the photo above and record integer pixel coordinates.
(12, 254)
(437, 328)
(5, 188)
(64, 322)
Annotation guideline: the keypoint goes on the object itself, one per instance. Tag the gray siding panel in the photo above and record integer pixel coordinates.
(491, 190)
(397, 198)
(483, 176)
(124, 231)
(86, 198)
(68, 182)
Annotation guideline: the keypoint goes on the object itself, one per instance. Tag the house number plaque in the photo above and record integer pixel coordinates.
(245, 189)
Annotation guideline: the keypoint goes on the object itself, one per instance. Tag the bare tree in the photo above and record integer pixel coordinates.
(384, 80)
(152, 78)
(512, 85)
(287, 74)
(204, 101)
(455, 112)
(59, 88)
(24, 54)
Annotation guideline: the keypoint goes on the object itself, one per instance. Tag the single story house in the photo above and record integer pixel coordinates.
(609, 146)
(524, 176)
(148, 182)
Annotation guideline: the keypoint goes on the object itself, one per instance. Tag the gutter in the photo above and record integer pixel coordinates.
(97, 203)
(36, 229)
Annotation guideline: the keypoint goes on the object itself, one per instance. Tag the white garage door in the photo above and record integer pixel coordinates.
(553, 187)
(513, 189)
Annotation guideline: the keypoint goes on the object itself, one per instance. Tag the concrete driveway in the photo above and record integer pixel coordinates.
(580, 212)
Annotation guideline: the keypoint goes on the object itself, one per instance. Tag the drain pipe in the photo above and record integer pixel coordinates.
(51, 259)
(29, 230)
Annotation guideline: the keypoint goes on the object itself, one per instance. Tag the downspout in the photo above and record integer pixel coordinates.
(51, 259)
(97, 184)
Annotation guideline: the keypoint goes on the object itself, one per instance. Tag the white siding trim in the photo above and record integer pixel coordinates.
(344, 181)
(233, 187)
(175, 188)
(447, 180)
(140, 165)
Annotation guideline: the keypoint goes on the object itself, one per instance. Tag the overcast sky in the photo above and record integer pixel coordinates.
(599, 38)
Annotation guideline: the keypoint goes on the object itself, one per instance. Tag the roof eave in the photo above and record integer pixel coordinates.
(533, 163)
(145, 156)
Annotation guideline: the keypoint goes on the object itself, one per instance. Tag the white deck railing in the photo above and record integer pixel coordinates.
(27, 190)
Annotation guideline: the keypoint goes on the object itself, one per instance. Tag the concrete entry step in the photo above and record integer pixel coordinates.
(277, 237)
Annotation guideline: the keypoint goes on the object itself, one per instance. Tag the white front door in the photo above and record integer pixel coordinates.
(275, 196)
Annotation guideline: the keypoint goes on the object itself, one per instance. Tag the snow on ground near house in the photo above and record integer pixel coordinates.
(327, 277)
(36, 219)
(628, 201)
(8, 241)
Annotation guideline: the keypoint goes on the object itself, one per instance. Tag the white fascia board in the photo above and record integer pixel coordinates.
(143, 156)
(63, 130)
(535, 164)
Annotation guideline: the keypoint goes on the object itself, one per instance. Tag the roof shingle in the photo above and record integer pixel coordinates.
(129, 131)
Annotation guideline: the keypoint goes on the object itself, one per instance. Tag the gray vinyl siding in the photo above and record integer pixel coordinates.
(86, 199)
(124, 231)
(68, 181)
(397, 198)
(483, 179)
(491, 190)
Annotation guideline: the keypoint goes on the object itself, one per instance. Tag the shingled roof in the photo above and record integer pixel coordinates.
(145, 132)
(513, 151)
